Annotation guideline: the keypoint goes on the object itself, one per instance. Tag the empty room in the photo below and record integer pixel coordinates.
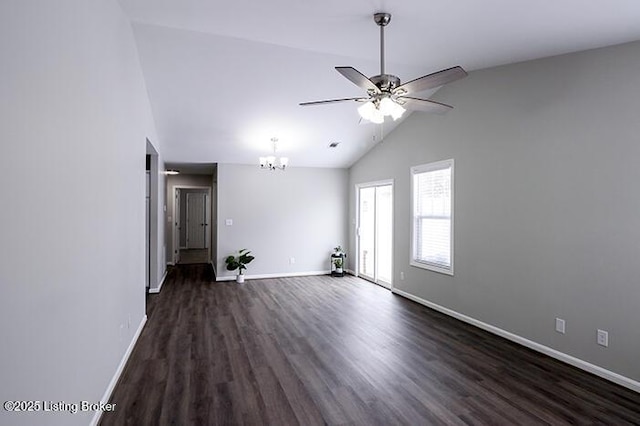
(320, 213)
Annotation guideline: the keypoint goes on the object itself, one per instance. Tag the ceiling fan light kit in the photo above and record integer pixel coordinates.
(386, 96)
(376, 111)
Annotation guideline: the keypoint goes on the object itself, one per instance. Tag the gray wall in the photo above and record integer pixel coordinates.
(299, 213)
(74, 120)
(184, 180)
(547, 208)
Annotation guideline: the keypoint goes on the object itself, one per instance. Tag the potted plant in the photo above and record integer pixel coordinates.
(338, 263)
(239, 262)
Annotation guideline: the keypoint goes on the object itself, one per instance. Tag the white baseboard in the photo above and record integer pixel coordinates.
(278, 275)
(119, 370)
(157, 290)
(561, 356)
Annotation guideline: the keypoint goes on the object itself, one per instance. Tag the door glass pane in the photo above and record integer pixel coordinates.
(384, 208)
(366, 261)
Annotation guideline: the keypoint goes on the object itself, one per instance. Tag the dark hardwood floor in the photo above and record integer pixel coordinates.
(339, 351)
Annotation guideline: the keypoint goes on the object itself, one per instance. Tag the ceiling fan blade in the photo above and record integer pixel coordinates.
(431, 81)
(425, 105)
(357, 78)
(331, 101)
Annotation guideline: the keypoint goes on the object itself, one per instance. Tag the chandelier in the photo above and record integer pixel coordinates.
(270, 162)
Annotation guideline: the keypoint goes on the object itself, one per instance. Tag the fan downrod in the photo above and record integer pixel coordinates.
(385, 82)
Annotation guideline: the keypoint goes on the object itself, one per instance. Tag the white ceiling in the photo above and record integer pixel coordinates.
(225, 77)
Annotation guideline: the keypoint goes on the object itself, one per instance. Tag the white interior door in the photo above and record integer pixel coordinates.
(196, 220)
(375, 233)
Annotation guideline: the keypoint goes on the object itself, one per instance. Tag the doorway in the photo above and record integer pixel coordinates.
(192, 233)
(375, 232)
(152, 202)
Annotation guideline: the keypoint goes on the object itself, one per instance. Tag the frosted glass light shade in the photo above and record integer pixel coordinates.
(376, 113)
(392, 108)
(367, 110)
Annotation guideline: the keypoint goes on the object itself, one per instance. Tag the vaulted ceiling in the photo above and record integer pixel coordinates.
(225, 77)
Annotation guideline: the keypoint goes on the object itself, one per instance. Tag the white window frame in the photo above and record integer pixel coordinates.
(423, 168)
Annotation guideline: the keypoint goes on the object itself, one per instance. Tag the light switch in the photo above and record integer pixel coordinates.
(228, 222)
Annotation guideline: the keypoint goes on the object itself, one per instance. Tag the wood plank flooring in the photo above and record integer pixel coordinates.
(189, 256)
(339, 351)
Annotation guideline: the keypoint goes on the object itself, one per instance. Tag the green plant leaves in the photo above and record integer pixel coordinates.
(240, 261)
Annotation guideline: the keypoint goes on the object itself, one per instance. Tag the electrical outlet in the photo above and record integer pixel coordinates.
(560, 325)
(401, 276)
(603, 338)
(292, 260)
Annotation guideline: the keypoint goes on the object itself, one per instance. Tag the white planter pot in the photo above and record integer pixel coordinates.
(240, 278)
(339, 270)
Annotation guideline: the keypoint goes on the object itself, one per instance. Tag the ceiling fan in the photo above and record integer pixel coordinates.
(385, 93)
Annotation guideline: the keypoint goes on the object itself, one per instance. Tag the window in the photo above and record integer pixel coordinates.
(432, 221)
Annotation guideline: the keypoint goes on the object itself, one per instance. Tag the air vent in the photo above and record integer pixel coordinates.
(334, 144)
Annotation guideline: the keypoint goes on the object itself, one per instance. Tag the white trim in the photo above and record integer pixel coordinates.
(278, 275)
(382, 182)
(553, 353)
(431, 266)
(119, 370)
(425, 168)
(157, 290)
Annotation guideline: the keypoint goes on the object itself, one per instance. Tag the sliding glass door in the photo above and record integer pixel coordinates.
(375, 232)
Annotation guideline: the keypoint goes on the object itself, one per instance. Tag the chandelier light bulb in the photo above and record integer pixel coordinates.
(271, 160)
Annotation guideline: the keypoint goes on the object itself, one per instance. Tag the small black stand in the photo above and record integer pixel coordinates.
(338, 264)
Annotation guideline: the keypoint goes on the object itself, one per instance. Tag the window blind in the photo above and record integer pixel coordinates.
(432, 216)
